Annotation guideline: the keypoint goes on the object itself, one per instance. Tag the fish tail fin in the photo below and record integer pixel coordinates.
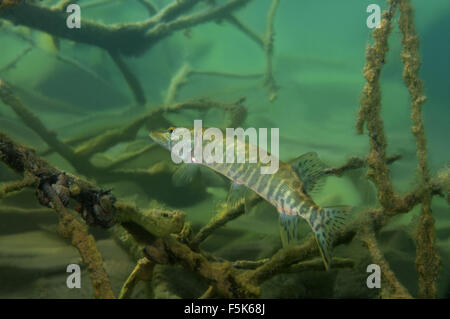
(326, 223)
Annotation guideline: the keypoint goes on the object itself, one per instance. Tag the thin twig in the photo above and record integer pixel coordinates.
(142, 272)
(393, 288)
(268, 48)
(131, 79)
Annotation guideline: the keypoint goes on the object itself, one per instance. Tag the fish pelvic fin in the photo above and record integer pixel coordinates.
(289, 228)
(326, 223)
(185, 174)
(236, 195)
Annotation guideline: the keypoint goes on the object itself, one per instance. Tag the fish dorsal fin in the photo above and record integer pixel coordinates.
(185, 174)
(309, 169)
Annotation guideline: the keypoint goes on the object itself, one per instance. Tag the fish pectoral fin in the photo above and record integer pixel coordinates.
(310, 170)
(185, 174)
(237, 195)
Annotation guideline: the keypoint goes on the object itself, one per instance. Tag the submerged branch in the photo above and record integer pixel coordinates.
(33, 122)
(393, 288)
(54, 188)
(268, 48)
(317, 264)
(10, 187)
(70, 228)
(131, 79)
(427, 260)
(356, 163)
(149, 6)
(16, 60)
(224, 216)
(221, 275)
(247, 31)
(370, 112)
(130, 39)
(142, 272)
(183, 75)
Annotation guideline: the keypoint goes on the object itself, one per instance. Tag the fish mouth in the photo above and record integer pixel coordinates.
(156, 136)
(160, 138)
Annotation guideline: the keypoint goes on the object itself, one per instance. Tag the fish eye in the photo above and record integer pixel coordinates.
(171, 129)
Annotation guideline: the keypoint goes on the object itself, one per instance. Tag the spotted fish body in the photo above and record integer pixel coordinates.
(286, 190)
(282, 189)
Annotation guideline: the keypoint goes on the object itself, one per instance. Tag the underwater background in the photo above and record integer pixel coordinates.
(78, 91)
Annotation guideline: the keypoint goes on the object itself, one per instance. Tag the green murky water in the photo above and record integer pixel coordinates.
(79, 92)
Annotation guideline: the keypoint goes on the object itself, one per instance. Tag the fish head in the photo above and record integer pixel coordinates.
(163, 137)
(171, 136)
(182, 142)
(178, 141)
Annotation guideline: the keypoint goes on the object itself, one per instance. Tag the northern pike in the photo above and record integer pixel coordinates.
(288, 190)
